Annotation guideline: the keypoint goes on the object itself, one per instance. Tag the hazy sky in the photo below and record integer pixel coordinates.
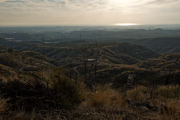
(89, 12)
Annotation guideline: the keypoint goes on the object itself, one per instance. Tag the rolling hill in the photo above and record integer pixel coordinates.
(161, 45)
(23, 66)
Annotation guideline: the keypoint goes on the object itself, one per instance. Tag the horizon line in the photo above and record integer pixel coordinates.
(112, 25)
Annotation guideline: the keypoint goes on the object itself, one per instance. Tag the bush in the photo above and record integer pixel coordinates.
(68, 92)
(61, 93)
(105, 97)
(139, 94)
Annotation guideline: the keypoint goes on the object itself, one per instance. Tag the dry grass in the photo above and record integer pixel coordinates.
(171, 110)
(168, 92)
(166, 100)
(3, 104)
(139, 94)
(105, 103)
(23, 116)
(105, 97)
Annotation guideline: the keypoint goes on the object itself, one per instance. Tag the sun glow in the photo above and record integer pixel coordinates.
(122, 2)
(125, 24)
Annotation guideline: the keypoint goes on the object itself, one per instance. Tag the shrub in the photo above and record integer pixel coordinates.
(68, 92)
(61, 93)
(105, 97)
(139, 94)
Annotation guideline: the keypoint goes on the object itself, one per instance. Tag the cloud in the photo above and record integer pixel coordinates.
(88, 11)
(158, 2)
(53, 4)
